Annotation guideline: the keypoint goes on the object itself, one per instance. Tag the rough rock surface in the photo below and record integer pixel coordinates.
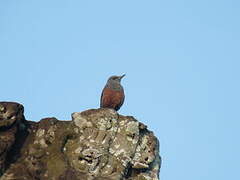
(98, 144)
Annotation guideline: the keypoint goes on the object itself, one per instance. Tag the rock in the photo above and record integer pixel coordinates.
(98, 144)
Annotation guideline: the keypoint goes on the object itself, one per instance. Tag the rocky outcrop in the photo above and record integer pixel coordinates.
(98, 144)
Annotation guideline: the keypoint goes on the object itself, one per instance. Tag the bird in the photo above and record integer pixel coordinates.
(113, 93)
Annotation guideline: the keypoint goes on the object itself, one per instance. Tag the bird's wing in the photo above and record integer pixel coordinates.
(122, 97)
(105, 97)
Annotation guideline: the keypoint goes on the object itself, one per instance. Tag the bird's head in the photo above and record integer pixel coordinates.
(116, 78)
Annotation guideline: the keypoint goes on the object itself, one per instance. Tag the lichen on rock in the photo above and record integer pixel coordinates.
(97, 144)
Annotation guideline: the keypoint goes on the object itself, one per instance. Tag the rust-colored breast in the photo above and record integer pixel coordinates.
(112, 98)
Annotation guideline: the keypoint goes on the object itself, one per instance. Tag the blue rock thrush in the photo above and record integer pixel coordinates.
(113, 93)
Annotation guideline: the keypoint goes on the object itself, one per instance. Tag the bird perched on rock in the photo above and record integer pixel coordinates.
(113, 93)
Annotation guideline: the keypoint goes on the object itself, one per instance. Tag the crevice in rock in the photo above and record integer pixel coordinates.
(65, 140)
(15, 152)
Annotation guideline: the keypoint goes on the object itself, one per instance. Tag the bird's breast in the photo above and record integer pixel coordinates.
(112, 98)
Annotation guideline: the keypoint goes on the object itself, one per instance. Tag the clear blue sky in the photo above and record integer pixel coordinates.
(182, 60)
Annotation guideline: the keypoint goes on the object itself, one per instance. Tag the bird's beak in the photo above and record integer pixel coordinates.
(120, 77)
